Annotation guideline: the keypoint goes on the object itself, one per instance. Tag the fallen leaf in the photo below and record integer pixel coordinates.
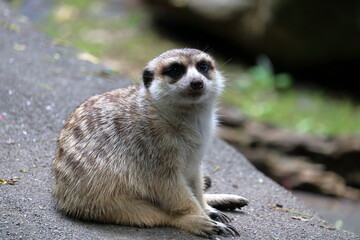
(217, 168)
(23, 19)
(59, 42)
(11, 181)
(19, 47)
(45, 86)
(23, 171)
(56, 56)
(65, 13)
(339, 224)
(11, 26)
(88, 57)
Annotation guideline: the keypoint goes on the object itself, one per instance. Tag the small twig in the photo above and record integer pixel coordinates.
(291, 211)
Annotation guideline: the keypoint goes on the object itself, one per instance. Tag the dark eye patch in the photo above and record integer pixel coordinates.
(174, 70)
(148, 76)
(203, 66)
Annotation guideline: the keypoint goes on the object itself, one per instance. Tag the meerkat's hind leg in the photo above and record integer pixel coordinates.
(137, 213)
(225, 202)
(145, 214)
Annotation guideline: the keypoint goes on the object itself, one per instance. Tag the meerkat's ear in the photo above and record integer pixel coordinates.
(148, 76)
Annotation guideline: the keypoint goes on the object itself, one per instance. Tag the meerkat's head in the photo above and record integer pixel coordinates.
(183, 76)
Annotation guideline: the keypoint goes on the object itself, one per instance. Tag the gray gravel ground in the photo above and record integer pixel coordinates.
(40, 84)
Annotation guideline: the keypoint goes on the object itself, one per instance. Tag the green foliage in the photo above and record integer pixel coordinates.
(258, 91)
(69, 22)
(265, 78)
(122, 39)
(270, 97)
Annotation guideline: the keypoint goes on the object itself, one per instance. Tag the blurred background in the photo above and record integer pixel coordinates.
(291, 104)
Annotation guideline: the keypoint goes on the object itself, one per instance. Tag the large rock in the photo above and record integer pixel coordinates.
(296, 161)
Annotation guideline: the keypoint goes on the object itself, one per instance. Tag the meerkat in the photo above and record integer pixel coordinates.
(133, 156)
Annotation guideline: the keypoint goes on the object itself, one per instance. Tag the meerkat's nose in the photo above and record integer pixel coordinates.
(197, 84)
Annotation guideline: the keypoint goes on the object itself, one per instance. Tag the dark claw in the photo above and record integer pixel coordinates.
(218, 216)
(223, 218)
(207, 183)
(234, 232)
(226, 230)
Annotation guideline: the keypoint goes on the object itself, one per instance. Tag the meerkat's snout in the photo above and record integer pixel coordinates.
(196, 80)
(197, 84)
(193, 84)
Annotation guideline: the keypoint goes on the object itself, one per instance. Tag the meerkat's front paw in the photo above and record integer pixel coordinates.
(226, 229)
(206, 227)
(226, 202)
(216, 215)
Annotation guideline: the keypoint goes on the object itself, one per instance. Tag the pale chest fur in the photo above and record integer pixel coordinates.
(192, 137)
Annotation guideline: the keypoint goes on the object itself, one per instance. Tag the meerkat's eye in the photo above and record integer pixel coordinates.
(175, 70)
(203, 66)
